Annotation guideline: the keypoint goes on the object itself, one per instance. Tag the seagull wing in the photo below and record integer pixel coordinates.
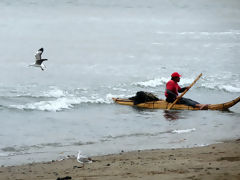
(39, 62)
(38, 55)
(83, 159)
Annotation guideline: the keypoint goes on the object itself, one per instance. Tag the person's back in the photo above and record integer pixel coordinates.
(172, 87)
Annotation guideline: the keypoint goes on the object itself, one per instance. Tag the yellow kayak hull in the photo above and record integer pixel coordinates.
(161, 104)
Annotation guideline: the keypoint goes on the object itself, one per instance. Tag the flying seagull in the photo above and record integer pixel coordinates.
(39, 60)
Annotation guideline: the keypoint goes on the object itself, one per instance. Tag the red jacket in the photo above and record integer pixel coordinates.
(173, 87)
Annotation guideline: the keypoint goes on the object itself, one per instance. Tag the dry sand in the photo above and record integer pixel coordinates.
(218, 161)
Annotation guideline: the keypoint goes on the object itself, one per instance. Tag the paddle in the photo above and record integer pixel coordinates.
(184, 92)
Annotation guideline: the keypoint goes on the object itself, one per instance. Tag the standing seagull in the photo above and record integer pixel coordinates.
(83, 159)
(39, 60)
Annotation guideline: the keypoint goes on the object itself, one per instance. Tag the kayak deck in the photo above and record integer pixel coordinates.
(161, 104)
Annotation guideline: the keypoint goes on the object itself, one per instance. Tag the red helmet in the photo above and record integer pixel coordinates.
(175, 74)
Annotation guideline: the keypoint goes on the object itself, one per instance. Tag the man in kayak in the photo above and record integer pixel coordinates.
(172, 90)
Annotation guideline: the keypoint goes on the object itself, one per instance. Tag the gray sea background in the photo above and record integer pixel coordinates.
(99, 49)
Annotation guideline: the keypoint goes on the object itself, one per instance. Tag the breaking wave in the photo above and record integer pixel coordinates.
(161, 81)
(207, 83)
(56, 99)
(152, 83)
(222, 87)
(54, 93)
(63, 103)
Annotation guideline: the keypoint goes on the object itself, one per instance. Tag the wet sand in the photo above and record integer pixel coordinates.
(219, 161)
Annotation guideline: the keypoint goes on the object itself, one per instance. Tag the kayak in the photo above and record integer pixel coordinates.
(162, 104)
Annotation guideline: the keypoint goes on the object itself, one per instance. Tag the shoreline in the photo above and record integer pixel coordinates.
(216, 161)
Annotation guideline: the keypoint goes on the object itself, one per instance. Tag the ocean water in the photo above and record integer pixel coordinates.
(99, 49)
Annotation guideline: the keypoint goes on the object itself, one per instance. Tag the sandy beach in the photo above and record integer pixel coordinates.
(218, 161)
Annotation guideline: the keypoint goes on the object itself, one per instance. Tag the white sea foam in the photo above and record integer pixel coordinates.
(221, 86)
(152, 83)
(55, 105)
(186, 81)
(202, 33)
(208, 83)
(54, 92)
(119, 89)
(63, 103)
(202, 145)
(162, 81)
(183, 131)
(229, 88)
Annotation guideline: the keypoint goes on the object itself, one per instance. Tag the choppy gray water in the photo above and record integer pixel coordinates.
(107, 48)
